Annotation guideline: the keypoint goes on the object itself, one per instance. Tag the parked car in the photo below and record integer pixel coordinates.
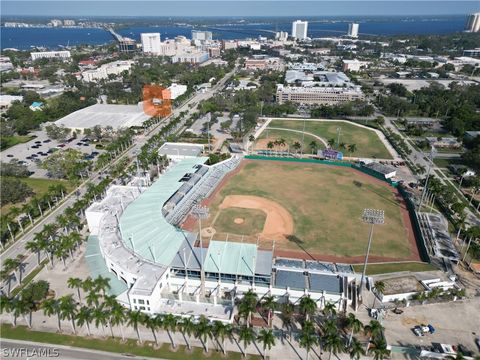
(38, 142)
(60, 146)
(79, 143)
(10, 155)
(47, 141)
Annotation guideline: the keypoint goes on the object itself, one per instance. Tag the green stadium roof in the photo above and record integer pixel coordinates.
(143, 224)
(231, 258)
(97, 267)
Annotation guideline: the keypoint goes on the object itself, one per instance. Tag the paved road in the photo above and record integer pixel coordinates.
(18, 247)
(16, 349)
(418, 157)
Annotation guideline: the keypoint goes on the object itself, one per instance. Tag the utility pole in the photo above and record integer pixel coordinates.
(201, 212)
(372, 217)
(339, 130)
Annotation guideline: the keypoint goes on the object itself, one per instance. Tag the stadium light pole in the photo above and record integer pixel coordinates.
(201, 212)
(372, 217)
(430, 158)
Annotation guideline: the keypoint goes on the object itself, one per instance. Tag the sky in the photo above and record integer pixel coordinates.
(235, 8)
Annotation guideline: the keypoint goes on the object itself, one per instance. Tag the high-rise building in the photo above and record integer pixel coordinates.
(473, 23)
(201, 35)
(299, 29)
(353, 30)
(151, 43)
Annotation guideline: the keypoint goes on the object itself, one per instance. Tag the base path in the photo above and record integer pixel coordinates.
(279, 222)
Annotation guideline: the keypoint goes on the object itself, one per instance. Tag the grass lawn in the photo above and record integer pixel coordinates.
(326, 203)
(9, 141)
(253, 221)
(443, 163)
(290, 138)
(367, 141)
(114, 345)
(40, 187)
(376, 269)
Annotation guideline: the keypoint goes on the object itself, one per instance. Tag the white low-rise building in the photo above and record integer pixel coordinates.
(354, 65)
(63, 55)
(177, 90)
(317, 95)
(103, 72)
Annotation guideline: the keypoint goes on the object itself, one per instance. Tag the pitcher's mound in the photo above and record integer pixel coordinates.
(239, 221)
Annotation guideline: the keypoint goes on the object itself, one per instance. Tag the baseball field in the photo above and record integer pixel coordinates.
(309, 210)
(367, 142)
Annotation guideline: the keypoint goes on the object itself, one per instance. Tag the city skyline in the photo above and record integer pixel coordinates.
(238, 8)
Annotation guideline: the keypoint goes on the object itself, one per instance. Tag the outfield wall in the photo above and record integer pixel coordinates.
(420, 241)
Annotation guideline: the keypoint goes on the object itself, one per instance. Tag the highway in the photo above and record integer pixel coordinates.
(30, 262)
(16, 349)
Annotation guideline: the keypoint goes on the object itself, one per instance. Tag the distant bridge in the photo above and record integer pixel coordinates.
(117, 36)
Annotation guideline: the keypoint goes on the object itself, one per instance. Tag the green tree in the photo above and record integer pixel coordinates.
(267, 339)
(135, 318)
(247, 336)
(308, 306)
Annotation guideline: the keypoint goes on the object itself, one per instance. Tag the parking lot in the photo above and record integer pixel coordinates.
(454, 322)
(32, 152)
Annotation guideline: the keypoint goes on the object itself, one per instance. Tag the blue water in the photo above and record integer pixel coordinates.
(24, 38)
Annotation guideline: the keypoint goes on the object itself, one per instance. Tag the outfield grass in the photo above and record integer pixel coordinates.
(130, 346)
(326, 204)
(9, 141)
(367, 141)
(39, 187)
(376, 269)
(289, 137)
(253, 221)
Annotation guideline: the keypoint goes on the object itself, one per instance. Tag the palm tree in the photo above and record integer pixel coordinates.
(85, 317)
(92, 298)
(355, 349)
(375, 331)
(352, 148)
(268, 303)
(27, 209)
(342, 145)
(135, 318)
(170, 324)
(308, 340)
(354, 325)
(35, 246)
(333, 343)
(287, 315)
(266, 338)
(203, 331)
(100, 316)
(270, 146)
(307, 306)
(75, 283)
(51, 307)
(379, 349)
(117, 317)
(187, 326)
(331, 142)
(218, 331)
(15, 213)
(313, 146)
(152, 324)
(297, 146)
(6, 305)
(13, 265)
(379, 288)
(329, 310)
(68, 309)
(247, 335)
(102, 284)
(248, 305)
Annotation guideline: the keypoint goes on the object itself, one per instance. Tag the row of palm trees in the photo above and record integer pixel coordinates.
(281, 143)
(333, 333)
(18, 218)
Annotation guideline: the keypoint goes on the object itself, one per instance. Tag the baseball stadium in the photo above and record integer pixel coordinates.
(200, 235)
(308, 210)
